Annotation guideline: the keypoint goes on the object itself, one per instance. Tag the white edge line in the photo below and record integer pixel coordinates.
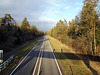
(55, 60)
(40, 61)
(23, 60)
(36, 63)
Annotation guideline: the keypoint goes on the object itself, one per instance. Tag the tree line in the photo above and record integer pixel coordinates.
(83, 32)
(12, 34)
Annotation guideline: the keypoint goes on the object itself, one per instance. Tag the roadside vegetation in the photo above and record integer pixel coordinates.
(12, 34)
(20, 53)
(82, 34)
(16, 40)
(70, 63)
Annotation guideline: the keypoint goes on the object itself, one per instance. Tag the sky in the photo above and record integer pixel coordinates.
(42, 13)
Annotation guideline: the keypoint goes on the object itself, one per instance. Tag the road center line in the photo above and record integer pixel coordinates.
(36, 63)
(40, 62)
(37, 60)
(23, 59)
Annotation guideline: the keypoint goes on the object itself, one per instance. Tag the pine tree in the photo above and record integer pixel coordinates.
(25, 24)
(24, 27)
(88, 23)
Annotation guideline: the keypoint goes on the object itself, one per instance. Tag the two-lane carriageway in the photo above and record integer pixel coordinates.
(39, 61)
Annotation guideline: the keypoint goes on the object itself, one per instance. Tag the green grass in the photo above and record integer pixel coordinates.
(68, 61)
(20, 53)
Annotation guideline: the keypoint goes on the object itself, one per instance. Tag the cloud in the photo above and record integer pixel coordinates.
(32, 9)
(43, 19)
(58, 5)
(76, 3)
(5, 3)
(44, 23)
(77, 8)
(81, 4)
(66, 7)
(51, 12)
(42, 13)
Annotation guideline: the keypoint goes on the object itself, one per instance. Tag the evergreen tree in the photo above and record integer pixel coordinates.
(88, 23)
(24, 27)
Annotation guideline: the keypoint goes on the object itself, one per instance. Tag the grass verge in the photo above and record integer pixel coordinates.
(20, 53)
(70, 64)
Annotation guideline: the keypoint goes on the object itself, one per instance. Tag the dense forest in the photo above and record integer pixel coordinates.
(13, 34)
(83, 32)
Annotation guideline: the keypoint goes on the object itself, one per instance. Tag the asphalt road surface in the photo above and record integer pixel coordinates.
(39, 61)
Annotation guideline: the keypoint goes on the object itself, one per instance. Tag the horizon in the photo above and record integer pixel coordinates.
(43, 14)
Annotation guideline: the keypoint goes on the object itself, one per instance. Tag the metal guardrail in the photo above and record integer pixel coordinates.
(3, 65)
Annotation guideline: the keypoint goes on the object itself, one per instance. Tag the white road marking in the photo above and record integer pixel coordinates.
(55, 59)
(40, 62)
(23, 59)
(37, 61)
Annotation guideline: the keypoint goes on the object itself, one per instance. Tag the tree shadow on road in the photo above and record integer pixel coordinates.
(72, 56)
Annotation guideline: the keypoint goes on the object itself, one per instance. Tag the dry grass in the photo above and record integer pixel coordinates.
(70, 64)
(96, 64)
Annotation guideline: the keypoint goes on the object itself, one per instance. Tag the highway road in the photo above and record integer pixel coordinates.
(39, 61)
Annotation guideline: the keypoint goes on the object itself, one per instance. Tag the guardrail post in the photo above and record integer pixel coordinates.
(88, 61)
(0, 67)
(1, 56)
(61, 50)
(53, 50)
